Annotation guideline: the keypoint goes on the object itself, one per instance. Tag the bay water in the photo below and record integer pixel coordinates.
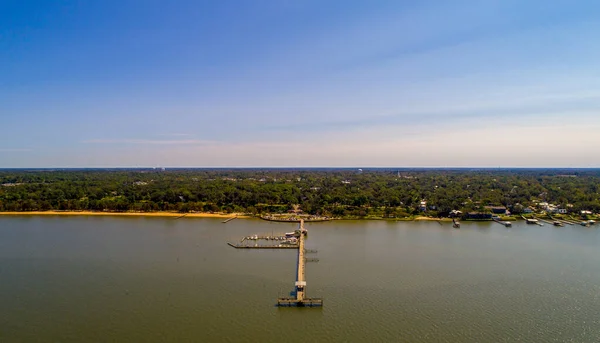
(122, 279)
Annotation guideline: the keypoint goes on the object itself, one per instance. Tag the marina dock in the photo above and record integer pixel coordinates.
(263, 246)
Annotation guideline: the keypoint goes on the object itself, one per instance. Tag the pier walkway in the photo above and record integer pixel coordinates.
(502, 222)
(229, 219)
(300, 285)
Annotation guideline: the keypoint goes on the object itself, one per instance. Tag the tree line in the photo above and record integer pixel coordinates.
(335, 192)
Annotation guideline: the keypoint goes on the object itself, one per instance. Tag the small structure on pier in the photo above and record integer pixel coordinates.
(532, 221)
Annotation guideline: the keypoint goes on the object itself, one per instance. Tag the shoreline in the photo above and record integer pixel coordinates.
(127, 214)
(177, 215)
(194, 215)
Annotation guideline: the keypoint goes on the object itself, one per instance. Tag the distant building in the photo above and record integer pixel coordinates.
(562, 210)
(497, 209)
(527, 210)
(479, 215)
(423, 206)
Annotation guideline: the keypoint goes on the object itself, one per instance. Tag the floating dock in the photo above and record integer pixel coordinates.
(263, 246)
(264, 238)
(294, 220)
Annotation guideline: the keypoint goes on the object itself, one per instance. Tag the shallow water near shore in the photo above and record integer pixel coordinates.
(74, 279)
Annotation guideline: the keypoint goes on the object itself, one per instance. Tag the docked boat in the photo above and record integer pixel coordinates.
(557, 223)
(292, 240)
(508, 224)
(531, 221)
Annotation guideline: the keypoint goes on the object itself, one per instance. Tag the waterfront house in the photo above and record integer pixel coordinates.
(479, 216)
(455, 213)
(497, 209)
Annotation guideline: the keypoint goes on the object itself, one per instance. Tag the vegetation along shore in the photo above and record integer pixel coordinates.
(315, 194)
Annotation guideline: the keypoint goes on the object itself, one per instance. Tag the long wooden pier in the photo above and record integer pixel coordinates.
(300, 286)
(561, 221)
(229, 219)
(532, 221)
(544, 220)
(502, 222)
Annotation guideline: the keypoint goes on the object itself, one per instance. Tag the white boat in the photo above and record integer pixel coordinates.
(290, 241)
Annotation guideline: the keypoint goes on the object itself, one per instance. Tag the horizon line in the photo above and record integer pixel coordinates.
(305, 167)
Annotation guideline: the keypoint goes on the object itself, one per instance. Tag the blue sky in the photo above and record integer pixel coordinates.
(300, 83)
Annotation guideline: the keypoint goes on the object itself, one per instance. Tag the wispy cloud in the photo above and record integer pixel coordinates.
(175, 134)
(150, 141)
(14, 150)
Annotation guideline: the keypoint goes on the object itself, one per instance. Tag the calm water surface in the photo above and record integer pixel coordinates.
(84, 279)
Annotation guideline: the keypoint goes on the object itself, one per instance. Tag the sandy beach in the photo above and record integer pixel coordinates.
(157, 214)
(129, 214)
(433, 219)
